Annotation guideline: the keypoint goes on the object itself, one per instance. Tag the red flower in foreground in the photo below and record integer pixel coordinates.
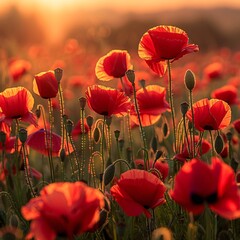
(198, 183)
(227, 93)
(45, 84)
(64, 209)
(107, 101)
(137, 190)
(113, 65)
(161, 165)
(152, 103)
(163, 43)
(217, 114)
(17, 103)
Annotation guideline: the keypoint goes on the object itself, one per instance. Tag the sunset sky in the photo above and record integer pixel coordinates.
(124, 5)
(55, 13)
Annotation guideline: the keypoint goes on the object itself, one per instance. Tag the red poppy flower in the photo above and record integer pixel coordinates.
(113, 65)
(125, 86)
(17, 103)
(45, 84)
(163, 43)
(161, 165)
(37, 141)
(184, 155)
(152, 103)
(107, 101)
(227, 93)
(77, 130)
(137, 190)
(236, 125)
(198, 183)
(217, 114)
(65, 209)
(17, 68)
(214, 71)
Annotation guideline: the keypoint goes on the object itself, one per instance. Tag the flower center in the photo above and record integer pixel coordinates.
(198, 200)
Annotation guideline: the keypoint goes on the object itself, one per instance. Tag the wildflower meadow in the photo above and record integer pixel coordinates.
(121, 144)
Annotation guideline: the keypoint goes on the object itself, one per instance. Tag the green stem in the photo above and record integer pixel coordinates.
(170, 95)
(83, 142)
(212, 143)
(27, 172)
(50, 140)
(193, 125)
(142, 132)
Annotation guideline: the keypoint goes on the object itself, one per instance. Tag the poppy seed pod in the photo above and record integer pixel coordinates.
(23, 135)
(184, 108)
(82, 102)
(130, 75)
(89, 120)
(190, 80)
(58, 74)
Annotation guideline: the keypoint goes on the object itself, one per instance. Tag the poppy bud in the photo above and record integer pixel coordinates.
(23, 135)
(89, 120)
(184, 108)
(96, 135)
(229, 136)
(109, 174)
(69, 126)
(117, 134)
(62, 155)
(142, 83)
(129, 156)
(158, 154)
(38, 112)
(2, 137)
(218, 144)
(130, 75)
(121, 144)
(58, 74)
(154, 144)
(108, 121)
(82, 101)
(165, 130)
(190, 80)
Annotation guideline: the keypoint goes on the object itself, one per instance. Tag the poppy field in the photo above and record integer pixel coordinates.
(120, 143)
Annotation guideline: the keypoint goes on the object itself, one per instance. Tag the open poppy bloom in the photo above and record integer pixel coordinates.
(113, 65)
(214, 71)
(63, 209)
(37, 141)
(137, 190)
(203, 146)
(213, 114)
(152, 103)
(198, 184)
(227, 93)
(17, 68)
(161, 165)
(17, 103)
(107, 101)
(77, 130)
(163, 43)
(45, 84)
